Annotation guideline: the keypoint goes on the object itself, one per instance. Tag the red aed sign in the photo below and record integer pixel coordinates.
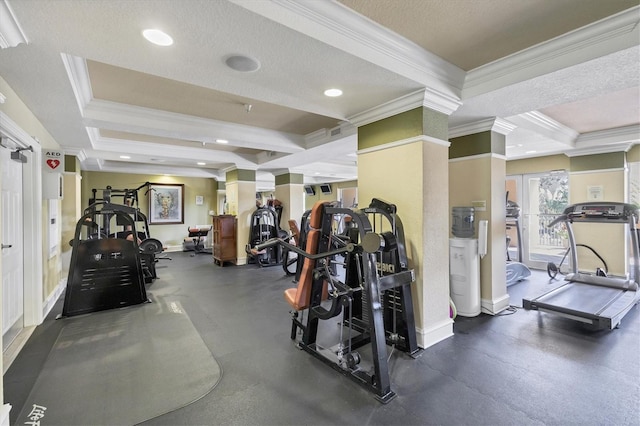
(53, 161)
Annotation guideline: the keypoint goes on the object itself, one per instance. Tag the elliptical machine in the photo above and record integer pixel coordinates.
(516, 270)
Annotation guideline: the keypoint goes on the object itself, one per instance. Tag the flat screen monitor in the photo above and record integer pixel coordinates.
(308, 189)
(325, 188)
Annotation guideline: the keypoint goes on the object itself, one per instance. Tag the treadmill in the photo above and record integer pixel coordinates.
(601, 301)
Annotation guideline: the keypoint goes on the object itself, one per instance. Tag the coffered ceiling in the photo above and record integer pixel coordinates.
(555, 76)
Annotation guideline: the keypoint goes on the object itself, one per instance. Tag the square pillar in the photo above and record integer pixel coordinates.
(403, 160)
(477, 174)
(290, 191)
(240, 188)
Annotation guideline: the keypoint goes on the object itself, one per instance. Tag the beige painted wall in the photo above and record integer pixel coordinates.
(170, 235)
(241, 196)
(481, 178)
(310, 200)
(292, 197)
(420, 191)
(15, 108)
(607, 240)
(71, 212)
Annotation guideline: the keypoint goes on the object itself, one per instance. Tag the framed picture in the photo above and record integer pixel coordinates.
(166, 203)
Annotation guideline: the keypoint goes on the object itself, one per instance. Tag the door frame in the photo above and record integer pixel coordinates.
(32, 219)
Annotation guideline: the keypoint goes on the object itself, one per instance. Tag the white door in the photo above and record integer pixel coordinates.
(544, 198)
(12, 248)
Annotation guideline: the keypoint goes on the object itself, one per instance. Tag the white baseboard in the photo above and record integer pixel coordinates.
(4, 414)
(53, 297)
(241, 261)
(495, 306)
(434, 334)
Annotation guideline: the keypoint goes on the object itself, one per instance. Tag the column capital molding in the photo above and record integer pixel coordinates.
(427, 98)
(494, 124)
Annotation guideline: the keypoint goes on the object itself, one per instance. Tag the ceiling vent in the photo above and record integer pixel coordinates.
(336, 131)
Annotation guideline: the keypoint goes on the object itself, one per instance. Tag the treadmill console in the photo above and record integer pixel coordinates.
(601, 212)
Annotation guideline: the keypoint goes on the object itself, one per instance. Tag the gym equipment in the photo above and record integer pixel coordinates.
(291, 262)
(373, 297)
(516, 271)
(199, 239)
(149, 248)
(104, 273)
(599, 300)
(263, 227)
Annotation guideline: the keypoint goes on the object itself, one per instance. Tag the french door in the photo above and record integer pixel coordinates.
(542, 198)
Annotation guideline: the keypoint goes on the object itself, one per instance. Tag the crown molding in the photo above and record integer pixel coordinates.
(627, 135)
(134, 119)
(17, 134)
(77, 152)
(11, 33)
(323, 136)
(427, 98)
(611, 34)
(145, 150)
(546, 126)
(497, 125)
(78, 74)
(336, 25)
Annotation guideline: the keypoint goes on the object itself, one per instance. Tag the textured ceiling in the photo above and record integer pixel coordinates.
(471, 33)
(121, 85)
(102, 91)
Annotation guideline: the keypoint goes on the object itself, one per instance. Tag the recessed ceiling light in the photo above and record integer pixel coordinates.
(242, 63)
(222, 141)
(200, 163)
(333, 92)
(125, 157)
(157, 37)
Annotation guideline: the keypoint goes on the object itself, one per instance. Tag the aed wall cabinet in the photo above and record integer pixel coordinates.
(52, 186)
(224, 239)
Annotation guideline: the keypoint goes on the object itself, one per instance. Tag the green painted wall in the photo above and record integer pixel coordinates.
(416, 122)
(241, 175)
(289, 178)
(611, 160)
(476, 144)
(538, 164)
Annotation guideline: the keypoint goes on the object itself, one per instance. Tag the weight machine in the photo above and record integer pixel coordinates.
(263, 227)
(104, 273)
(373, 295)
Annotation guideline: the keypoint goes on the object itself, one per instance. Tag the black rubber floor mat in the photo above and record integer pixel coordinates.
(122, 367)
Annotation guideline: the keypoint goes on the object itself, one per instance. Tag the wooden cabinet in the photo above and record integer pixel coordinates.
(224, 239)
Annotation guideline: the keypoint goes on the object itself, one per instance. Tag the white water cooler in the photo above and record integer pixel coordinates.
(464, 274)
(464, 261)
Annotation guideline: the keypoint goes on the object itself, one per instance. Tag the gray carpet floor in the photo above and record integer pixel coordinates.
(526, 368)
